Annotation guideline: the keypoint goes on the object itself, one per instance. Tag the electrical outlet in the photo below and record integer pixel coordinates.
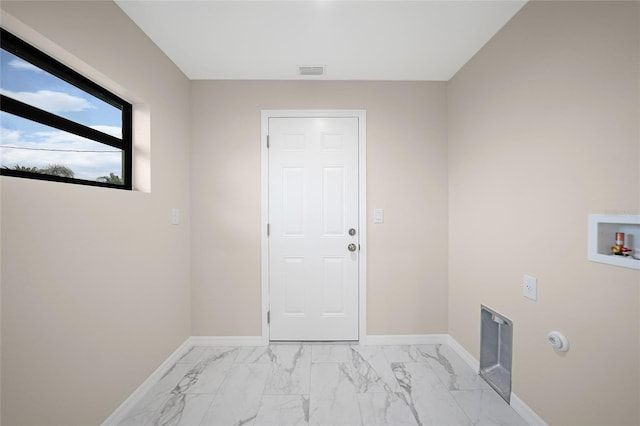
(175, 216)
(530, 287)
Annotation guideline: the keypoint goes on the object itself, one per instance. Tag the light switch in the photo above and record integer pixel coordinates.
(378, 216)
(175, 216)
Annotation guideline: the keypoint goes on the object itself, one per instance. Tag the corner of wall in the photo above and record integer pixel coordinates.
(87, 258)
(536, 120)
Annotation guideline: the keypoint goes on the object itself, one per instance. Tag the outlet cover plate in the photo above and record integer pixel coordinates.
(175, 216)
(530, 287)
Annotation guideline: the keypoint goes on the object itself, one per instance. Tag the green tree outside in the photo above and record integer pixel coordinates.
(64, 171)
(25, 169)
(58, 170)
(112, 178)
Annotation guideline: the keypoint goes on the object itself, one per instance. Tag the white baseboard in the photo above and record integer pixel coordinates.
(118, 415)
(406, 339)
(464, 354)
(228, 341)
(526, 412)
(518, 405)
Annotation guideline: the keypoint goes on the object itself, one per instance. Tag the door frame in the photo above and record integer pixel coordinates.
(361, 115)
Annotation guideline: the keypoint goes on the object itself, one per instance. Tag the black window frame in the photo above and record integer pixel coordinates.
(35, 56)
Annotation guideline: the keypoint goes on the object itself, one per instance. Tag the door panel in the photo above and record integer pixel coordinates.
(313, 202)
(293, 201)
(333, 202)
(293, 279)
(333, 286)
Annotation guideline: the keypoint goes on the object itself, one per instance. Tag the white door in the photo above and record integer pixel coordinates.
(313, 228)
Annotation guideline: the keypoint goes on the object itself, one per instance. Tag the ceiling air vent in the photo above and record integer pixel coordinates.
(311, 70)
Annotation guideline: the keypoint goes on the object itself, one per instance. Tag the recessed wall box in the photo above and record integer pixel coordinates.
(496, 347)
(602, 236)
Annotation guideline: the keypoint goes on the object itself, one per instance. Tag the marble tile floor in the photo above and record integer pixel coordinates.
(321, 384)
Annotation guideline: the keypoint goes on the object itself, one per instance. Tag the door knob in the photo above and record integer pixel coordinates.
(352, 247)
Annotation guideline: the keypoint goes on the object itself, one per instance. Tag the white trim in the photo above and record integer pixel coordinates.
(264, 218)
(464, 354)
(119, 414)
(526, 412)
(362, 220)
(407, 339)
(228, 341)
(518, 405)
(362, 206)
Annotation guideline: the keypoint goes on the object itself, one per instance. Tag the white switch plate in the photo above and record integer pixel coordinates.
(530, 287)
(378, 216)
(175, 216)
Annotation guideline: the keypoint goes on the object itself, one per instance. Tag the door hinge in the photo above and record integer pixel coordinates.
(268, 229)
(268, 317)
(267, 141)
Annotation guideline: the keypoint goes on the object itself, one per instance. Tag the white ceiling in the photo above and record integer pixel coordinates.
(354, 40)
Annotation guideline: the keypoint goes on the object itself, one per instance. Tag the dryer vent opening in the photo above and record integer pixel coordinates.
(496, 347)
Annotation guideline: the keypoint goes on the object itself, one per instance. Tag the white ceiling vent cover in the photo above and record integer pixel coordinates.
(311, 70)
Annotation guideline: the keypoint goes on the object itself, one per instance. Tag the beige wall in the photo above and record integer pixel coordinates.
(406, 175)
(543, 130)
(95, 282)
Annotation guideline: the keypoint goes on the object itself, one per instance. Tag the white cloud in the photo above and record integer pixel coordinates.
(24, 65)
(44, 149)
(9, 136)
(50, 101)
(110, 130)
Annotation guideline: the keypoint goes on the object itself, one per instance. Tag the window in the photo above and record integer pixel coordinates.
(56, 124)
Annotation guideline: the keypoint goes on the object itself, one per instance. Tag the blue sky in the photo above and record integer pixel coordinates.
(31, 144)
